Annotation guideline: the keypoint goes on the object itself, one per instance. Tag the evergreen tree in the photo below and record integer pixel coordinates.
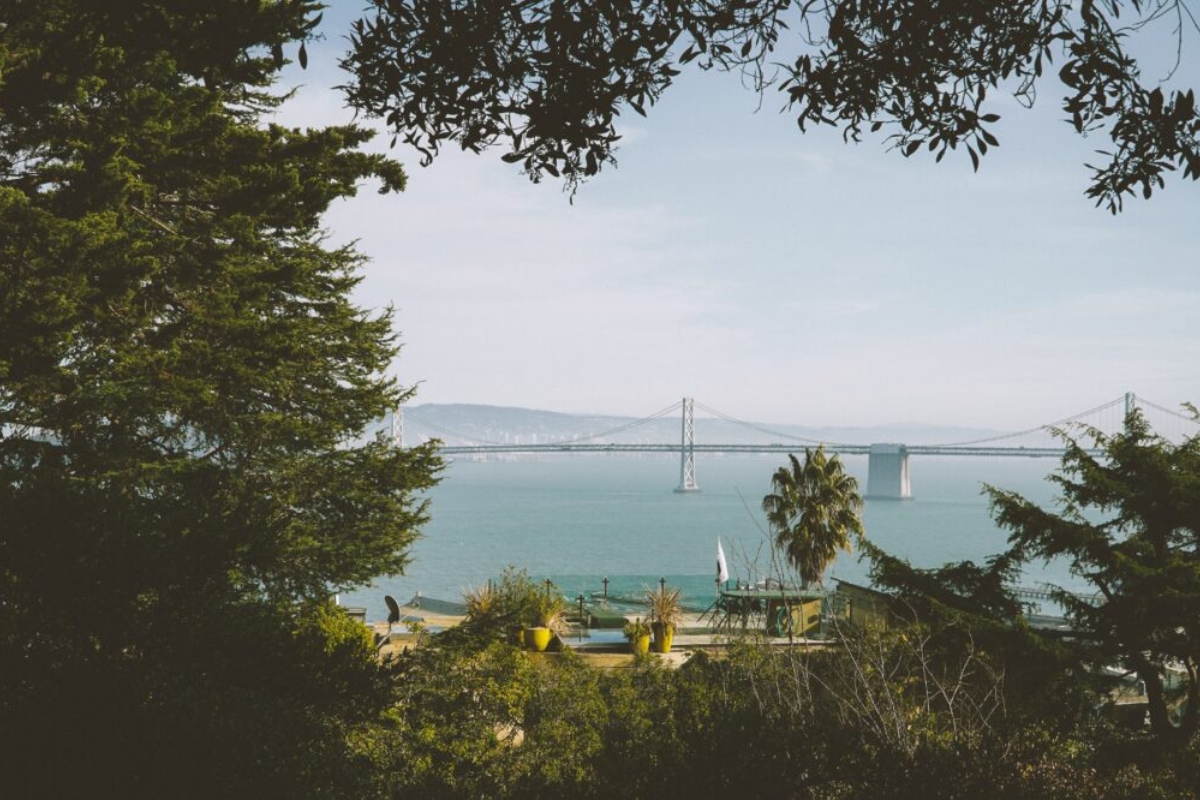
(184, 388)
(1130, 527)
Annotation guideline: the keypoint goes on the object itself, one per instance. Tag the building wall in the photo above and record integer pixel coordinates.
(863, 607)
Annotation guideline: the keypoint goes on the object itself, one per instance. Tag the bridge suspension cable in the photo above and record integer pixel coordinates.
(1185, 417)
(761, 429)
(1040, 428)
(622, 428)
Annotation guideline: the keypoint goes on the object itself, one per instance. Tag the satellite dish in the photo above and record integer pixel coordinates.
(393, 609)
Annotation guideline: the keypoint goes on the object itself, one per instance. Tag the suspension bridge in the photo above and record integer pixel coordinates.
(887, 465)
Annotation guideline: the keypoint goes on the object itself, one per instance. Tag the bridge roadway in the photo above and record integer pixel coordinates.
(887, 467)
(841, 449)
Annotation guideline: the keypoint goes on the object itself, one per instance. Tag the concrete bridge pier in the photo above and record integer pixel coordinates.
(887, 472)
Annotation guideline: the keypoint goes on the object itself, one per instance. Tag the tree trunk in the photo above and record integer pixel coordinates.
(1160, 722)
(1191, 714)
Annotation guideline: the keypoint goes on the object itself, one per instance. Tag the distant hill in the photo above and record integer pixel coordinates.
(460, 424)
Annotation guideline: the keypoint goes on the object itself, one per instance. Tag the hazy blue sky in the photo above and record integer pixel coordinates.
(778, 276)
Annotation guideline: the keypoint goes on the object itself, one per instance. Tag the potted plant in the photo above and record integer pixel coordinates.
(547, 621)
(502, 609)
(483, 606)
(666, 610)
(637, 632)
(519, 593)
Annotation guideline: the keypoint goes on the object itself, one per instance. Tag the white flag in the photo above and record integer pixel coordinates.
(722, 569)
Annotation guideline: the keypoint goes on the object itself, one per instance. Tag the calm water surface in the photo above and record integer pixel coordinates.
(579, 518)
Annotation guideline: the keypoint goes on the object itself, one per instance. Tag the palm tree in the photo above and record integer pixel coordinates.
(812, 510)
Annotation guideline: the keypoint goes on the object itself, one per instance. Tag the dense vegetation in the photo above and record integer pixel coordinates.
(888, 714)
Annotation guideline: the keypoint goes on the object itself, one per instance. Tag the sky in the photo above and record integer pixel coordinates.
(778, 276)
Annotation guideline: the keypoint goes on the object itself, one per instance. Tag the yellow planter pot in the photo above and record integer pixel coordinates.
(641, 645)
(663, 637)
(537, 639)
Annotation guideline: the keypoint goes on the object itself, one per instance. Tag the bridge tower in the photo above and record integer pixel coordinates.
(887, 472)
(398, 427)
(687, 450)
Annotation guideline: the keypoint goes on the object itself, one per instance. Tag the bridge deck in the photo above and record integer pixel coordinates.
(842, 449)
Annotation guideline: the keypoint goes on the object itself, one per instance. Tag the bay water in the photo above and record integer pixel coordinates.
(577, 519)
